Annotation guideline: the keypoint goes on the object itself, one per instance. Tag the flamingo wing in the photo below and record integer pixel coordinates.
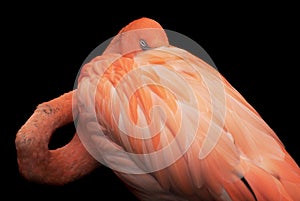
(173, 128)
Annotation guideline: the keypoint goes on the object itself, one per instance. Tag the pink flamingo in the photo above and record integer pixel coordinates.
(213, 145)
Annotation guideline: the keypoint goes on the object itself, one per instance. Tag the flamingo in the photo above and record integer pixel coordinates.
(168, 124)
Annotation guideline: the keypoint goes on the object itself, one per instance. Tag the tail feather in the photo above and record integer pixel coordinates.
(293, 189)
(237, 190)
(283, 170)
(268, 187)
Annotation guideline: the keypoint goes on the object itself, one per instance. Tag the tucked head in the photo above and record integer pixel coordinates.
(139, 35)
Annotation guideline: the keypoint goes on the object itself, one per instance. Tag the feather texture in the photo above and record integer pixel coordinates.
(195, 136)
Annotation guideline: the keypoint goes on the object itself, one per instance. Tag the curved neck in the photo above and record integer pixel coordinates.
(38, 163)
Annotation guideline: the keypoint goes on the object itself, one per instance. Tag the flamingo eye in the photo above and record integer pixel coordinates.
(144, 45)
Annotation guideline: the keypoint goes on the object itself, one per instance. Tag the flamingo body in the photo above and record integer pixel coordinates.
(167, 123)
(215, 140)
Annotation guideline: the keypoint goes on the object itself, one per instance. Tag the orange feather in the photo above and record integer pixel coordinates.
(231, 142)
(166, 122)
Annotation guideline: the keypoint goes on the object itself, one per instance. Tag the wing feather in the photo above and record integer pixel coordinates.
(195, 135)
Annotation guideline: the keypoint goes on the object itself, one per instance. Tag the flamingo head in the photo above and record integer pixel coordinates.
(139, 35)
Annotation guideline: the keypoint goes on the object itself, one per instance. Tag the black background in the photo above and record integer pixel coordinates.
(253, 46)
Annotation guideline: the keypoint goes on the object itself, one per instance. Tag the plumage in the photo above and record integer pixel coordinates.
(173, 128)
(206, 136)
